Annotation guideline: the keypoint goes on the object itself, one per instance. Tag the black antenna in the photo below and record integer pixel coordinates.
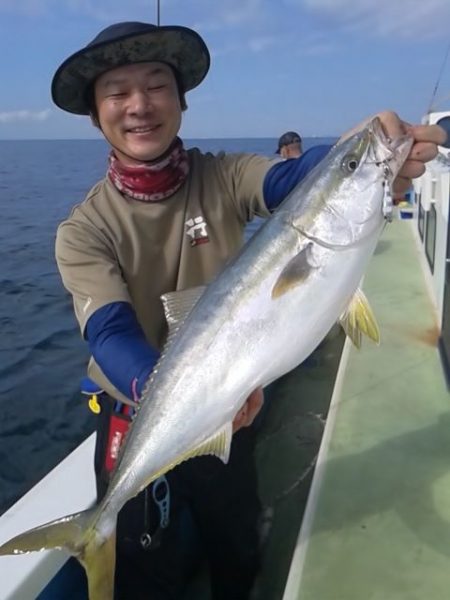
(158, 13)
(433, 96)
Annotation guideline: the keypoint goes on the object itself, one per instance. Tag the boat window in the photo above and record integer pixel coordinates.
(445, 124)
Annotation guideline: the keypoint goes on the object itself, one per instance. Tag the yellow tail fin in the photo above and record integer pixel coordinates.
(99, 561)
(77, 535)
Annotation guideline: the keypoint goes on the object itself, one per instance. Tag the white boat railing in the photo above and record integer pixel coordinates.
(68, 488)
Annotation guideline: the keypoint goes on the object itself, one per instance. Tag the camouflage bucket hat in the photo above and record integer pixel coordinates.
(123, 44)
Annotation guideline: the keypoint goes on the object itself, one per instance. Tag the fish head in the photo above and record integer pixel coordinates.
(388, 153)
(356, 184)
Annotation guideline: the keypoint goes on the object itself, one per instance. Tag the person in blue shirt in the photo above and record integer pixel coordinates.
(165, 218)
(290, 145)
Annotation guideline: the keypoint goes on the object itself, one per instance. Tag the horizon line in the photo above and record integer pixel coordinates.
(184, 138)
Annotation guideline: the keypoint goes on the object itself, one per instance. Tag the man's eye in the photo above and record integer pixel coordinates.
(115, 94)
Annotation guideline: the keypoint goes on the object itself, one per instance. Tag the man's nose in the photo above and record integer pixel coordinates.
(140, 102)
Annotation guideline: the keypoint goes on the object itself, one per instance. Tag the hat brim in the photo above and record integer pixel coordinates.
(177, 46)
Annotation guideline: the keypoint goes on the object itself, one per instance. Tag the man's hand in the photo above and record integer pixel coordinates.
(425, 147)
(426, 140)
(248, 412)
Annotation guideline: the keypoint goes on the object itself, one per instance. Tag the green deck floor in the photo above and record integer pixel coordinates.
(287, 448)
(377, 525)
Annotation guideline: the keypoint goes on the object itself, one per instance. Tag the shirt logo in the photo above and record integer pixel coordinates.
(196, 230)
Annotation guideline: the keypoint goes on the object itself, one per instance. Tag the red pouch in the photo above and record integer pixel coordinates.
(118, 427)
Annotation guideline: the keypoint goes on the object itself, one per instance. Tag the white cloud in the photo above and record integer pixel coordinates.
(318, 49)
(255, 44)
(239, 12)
(209, 15)
(15, 116)
(101, 10)
(259, 44)
(230, 14)
(111, 10)
(23, 7)
(405, 18)
(28, 8)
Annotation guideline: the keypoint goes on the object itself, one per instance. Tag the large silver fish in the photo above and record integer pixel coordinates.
(262, 316)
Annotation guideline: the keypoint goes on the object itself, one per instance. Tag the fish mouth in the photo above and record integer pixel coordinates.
(388, 152)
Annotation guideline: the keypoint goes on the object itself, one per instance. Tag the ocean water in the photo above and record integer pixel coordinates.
(43, 415)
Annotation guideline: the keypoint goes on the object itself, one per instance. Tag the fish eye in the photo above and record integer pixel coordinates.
(349, 163)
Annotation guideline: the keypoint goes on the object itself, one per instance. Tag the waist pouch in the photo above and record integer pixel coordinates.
(112, 427)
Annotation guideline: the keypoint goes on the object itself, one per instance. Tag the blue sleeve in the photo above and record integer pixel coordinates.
(119, 347)
(284, 176)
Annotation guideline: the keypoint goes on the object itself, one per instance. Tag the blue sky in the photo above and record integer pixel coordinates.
(317, 66)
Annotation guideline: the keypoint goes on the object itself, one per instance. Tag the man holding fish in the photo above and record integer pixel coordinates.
(167, 220)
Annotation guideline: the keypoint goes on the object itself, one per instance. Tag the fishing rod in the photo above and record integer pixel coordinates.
(438, 81)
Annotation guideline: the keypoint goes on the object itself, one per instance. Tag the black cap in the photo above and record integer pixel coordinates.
(290, 137)
(128, 43)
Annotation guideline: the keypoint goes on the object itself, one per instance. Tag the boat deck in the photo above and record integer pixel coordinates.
(377, 523)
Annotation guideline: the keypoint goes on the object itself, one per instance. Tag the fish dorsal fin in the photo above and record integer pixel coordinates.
(359, 319)
(295, 272)
(177, 305)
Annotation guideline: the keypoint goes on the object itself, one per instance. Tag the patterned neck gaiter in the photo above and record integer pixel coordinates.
(154, 181)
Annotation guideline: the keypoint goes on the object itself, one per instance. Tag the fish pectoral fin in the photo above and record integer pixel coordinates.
(295, 272)
(177, 305)
(216, 445)
(359, 319)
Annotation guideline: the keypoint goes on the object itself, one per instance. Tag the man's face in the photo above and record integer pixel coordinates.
(293, 150)
(139, 110)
